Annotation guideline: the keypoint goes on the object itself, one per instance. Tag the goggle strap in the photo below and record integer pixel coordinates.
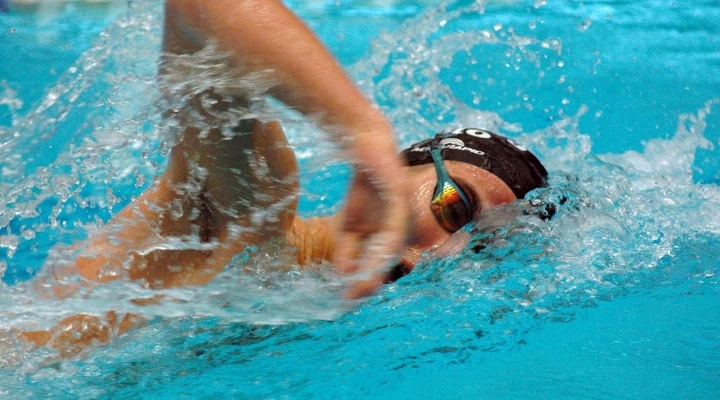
(443, 178)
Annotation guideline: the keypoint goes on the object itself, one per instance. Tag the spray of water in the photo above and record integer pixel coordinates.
(619, 219)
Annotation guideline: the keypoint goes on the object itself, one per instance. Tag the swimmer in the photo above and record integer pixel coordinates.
(400, 204)
(452, 179)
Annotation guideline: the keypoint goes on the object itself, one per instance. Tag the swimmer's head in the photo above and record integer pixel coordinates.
(456, 175)
(504, 158)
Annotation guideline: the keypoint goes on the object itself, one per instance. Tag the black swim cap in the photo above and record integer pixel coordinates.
(504, 158)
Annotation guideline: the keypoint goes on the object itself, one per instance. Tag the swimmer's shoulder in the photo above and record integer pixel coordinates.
(313, 238)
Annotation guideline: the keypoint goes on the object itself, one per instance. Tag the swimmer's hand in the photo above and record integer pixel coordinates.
(375, 218)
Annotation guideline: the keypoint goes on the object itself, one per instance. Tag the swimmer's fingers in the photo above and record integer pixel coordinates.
(375, 221)
(364, 287)
(366, 283)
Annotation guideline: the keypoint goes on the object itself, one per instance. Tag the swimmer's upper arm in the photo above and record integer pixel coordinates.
(178, 36)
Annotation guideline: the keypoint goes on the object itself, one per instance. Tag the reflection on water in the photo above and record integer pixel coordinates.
(625, 222)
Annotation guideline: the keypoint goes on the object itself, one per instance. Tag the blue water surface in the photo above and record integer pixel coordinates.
(615, 297)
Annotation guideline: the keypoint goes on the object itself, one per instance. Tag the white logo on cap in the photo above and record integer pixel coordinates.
(478, 133)
(448, 142)
(517, 145)
(457, 144)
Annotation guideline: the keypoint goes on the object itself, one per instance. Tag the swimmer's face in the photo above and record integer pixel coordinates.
(483, 189)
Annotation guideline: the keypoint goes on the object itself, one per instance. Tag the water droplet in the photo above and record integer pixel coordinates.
(584, 25)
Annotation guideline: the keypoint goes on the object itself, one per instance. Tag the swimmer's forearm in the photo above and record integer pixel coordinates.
(263, 35)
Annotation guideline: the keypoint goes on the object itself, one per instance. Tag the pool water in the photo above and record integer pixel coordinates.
(616, 296)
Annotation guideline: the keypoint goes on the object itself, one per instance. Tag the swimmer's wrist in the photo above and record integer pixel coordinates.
(370, 143)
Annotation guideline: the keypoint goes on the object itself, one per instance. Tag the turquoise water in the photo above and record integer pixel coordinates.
(615, 297)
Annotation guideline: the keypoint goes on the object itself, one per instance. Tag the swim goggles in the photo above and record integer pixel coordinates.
(449, 205)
